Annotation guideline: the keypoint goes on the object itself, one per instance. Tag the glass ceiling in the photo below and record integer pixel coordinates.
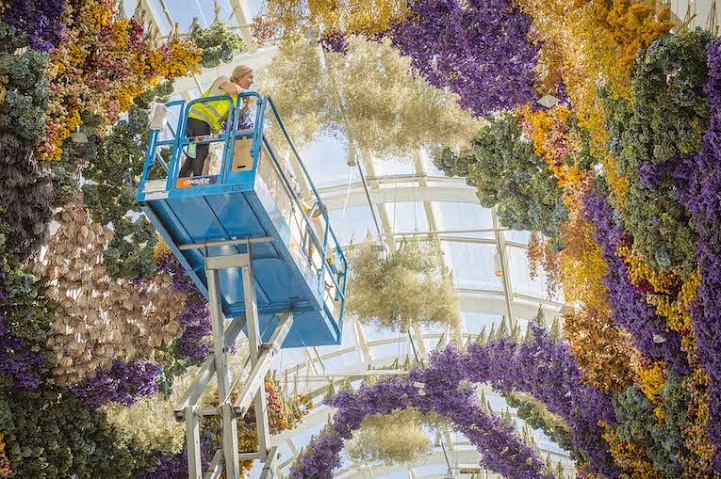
(411, 199)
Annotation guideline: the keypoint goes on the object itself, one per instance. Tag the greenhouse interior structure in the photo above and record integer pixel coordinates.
(377, 239)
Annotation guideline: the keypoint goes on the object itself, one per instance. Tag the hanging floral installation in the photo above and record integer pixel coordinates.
(393, 439)
(101, 319)
(405, 288)
(434, 34)
(365, 98)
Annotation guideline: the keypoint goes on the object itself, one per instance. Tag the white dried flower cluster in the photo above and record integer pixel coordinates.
(99, 318)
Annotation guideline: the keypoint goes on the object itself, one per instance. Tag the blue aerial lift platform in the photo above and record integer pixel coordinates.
(266, 258)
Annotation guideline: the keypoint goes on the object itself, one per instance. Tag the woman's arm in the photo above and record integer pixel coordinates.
(231, 88)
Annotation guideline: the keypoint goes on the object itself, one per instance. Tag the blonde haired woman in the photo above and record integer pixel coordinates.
(206, 118)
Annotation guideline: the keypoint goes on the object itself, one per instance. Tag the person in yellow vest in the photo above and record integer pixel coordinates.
(207, 118)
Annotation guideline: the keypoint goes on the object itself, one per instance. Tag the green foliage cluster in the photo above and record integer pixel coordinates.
(583, 158)
(402, 289)
(510, 176)
(217, 43)
(24, 87)
(664, 119)
(112, 165)
(637, 423)
(26, 191)
(28, 313)
(50, 434)
(537, 416)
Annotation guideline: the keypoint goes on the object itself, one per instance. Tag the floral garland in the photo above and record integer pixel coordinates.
(539, 366)
(404, 289)
(631, 311)
(503, 450)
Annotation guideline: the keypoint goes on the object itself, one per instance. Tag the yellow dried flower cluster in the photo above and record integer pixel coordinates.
(673, 305)
(5, 469)
(652, 380)
(103, 63)
(631, 458)
(694, 431)
(590, 44)
(291, 19)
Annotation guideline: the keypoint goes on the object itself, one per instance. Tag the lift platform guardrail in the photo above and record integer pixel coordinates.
(266, 259)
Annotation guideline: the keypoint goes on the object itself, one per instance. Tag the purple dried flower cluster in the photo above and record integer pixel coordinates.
(546, 370)
(540, 367)
(631, 311)
(171, 467)
(124, 383)
(40, 19)
(195, 319)
(319, 458)
(478, 49)
(698, 182)
(17, 359)
(334, 41)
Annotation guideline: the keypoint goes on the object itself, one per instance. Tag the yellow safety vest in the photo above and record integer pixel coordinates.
(214, 112)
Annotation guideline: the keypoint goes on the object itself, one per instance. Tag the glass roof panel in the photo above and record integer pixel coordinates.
(396, 349)
(129, 7)
(406, 217)
(253, 7)
(352, 223)
(521, 274)
(521, 237)
(430, 168)
(392, 167)
(474, 321)
(373, 334)
(204, 10)
(325, 160)
(156, 9)
(453, 216)
(472, 265)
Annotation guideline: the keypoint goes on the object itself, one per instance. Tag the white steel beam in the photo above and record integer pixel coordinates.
(242, 17)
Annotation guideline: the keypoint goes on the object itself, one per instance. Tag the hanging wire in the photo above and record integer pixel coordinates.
(347, 193)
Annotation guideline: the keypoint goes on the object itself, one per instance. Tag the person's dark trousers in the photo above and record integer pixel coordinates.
(195, 165)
